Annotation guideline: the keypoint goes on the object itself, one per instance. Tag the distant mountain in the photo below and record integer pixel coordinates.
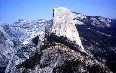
(19, 33)
(97, 21)
(68, 43)
(101, 43)
(23, 31)
(98, 35)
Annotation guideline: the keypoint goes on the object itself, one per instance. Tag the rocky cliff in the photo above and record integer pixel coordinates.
(64, 25)
(60, 50)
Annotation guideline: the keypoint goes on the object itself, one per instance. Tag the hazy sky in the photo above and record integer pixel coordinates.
(12, 10)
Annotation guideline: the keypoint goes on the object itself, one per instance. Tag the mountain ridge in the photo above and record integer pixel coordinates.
(38, 39)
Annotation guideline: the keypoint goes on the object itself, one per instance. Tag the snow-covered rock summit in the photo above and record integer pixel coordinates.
(64, 25)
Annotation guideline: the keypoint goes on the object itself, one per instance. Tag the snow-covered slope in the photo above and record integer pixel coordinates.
(23, 31)
(17, 34)
(97, 21)
(6, 48)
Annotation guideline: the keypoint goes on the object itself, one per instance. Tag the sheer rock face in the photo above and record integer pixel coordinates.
(64, 25)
